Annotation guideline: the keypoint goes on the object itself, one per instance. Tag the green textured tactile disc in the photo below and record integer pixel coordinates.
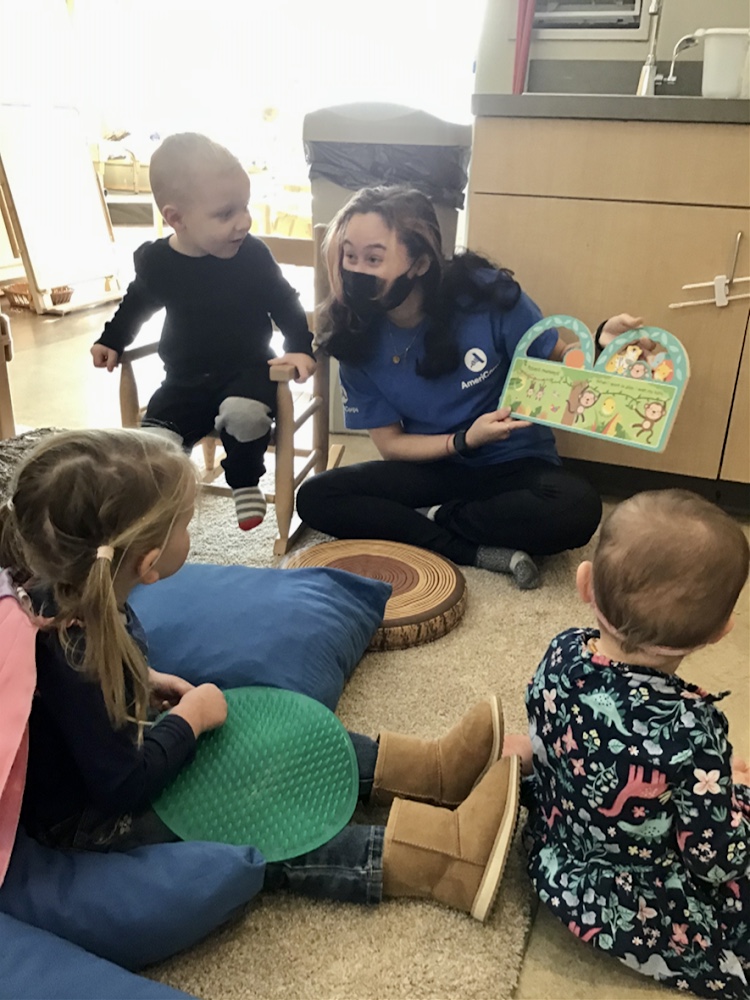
(281, 775)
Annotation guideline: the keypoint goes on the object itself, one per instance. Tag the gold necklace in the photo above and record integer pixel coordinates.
(398, 358)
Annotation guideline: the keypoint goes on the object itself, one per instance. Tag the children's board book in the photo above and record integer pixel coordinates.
(629, 395)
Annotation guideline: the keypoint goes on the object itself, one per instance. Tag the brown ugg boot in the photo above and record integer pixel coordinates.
(442, 771)
(456, 856)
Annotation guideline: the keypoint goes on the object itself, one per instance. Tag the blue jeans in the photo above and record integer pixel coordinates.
(349, 868)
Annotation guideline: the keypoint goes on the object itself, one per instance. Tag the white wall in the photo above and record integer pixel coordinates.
(494, 74)
(36, 62)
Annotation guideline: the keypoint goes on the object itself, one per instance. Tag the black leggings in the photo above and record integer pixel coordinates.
(189, 407)
(525, 504)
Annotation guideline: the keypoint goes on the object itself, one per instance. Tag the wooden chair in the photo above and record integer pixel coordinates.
(287, 475)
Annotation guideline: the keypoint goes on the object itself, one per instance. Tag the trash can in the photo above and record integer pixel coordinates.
(351, 146)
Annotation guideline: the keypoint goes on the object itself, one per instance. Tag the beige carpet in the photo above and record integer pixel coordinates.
(294, 948)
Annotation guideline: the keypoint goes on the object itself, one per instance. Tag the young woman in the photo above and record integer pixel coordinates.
(424, 347)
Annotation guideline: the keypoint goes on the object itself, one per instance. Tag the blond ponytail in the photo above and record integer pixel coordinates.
(84, 503)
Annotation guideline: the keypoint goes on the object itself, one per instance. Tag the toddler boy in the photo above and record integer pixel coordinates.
(221, 288)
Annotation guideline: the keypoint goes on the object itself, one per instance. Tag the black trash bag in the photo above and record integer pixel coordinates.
(440, 172)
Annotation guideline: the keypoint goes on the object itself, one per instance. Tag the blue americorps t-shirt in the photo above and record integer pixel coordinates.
(379, 392)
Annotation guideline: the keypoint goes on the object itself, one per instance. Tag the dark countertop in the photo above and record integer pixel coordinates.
(620, 107)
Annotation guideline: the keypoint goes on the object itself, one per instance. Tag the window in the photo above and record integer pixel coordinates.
(588, 13)
(246, 73)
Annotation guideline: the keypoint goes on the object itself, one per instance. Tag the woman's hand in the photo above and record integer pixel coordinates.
(166, 689)
(621, 324)
(498, 425)
(395, 445)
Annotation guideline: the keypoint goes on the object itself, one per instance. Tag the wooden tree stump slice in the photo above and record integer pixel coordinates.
(429, 591)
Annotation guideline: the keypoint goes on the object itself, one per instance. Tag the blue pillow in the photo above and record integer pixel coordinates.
(36, 964)
(300, 629)
(132, 908)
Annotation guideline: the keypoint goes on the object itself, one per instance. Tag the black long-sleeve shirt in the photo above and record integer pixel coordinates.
(218, 312)
(77, 760)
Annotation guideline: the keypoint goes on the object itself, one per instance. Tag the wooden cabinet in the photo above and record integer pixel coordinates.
(597, 218)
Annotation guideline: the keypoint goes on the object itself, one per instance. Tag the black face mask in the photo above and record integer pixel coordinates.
(362, 293)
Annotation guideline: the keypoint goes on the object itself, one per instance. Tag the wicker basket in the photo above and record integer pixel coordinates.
(19, 295)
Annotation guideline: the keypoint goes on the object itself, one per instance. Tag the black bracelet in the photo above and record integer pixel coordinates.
(459, 444)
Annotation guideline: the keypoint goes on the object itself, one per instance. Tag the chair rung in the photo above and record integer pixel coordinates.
(309, 464)
(136, 353)
(211, 486)
(311, 408)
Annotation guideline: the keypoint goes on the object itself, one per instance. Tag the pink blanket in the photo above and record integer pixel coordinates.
(17, 683)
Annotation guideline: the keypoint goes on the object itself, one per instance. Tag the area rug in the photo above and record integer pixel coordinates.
(283, 946)
(12, 450)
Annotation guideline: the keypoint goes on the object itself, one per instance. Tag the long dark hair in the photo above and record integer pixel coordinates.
(449, 288)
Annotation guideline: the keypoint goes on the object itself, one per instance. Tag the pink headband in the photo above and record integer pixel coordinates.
(648, 650)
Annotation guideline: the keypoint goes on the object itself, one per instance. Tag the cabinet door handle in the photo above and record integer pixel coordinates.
(733, 259)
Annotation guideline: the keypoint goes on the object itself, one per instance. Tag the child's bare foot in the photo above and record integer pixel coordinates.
(519, 745)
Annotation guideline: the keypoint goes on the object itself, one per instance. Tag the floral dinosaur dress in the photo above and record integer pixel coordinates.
(638, 838)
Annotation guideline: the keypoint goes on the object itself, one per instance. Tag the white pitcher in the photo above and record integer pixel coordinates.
(724, 55)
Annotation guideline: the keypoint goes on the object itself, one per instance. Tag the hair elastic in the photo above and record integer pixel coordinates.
(648, 650)
(105, 552)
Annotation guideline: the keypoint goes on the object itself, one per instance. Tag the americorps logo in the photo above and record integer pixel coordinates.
(475, 359)
(345, 401)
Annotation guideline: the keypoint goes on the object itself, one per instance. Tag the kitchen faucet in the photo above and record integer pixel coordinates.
(648, 75)
(686, 42)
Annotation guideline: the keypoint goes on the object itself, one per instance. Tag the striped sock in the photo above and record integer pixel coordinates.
(251, 506)
(516, 563)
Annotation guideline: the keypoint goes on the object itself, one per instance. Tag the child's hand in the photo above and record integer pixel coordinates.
(203, 708)
(167, 689)
(621, 324)
(740, 771)
(519, 745)
(105, 357)
(304, 364)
